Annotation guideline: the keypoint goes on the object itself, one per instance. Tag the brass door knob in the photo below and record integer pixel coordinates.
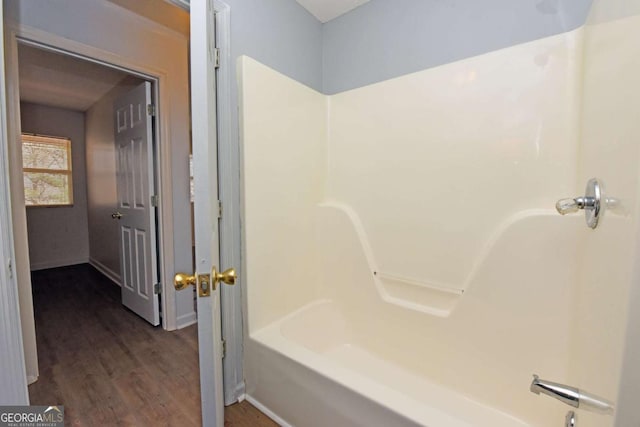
(204, 282)
(183, 280)
(116, 215)
(228, 276)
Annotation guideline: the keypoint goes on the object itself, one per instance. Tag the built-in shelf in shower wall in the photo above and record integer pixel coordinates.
(342, 237)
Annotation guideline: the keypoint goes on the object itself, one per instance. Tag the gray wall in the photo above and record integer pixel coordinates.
(383, 39)
(281, 34)
(58, 236)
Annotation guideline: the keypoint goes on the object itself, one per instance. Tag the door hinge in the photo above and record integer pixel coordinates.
(155, 200)
(216, 57)
(151, 109)
(219, 209)
(224, 348)
(157, 289)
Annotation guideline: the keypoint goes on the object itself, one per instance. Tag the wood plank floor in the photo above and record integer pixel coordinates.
(107, 366)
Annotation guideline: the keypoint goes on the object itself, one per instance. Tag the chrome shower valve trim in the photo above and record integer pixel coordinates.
(591, 203)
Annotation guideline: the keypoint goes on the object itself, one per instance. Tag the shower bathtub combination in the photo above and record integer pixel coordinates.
(404, 261)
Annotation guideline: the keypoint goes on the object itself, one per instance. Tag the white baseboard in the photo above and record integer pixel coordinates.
(43, 265)
(115, 277)
(240, 391)
(31, 379)
(268, 412)
(186, 320)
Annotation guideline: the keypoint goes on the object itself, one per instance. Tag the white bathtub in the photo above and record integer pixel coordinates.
(314, 372)
(367, 353)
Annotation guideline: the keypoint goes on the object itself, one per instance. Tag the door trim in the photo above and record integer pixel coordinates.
(228, 182)
(45, 40)
(206, 223)
(14, 379)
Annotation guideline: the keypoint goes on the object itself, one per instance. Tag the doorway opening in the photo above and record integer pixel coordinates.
(90, 175)
(158, 53)
(93, 255)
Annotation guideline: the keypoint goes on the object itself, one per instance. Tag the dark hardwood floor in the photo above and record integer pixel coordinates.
(107, 366)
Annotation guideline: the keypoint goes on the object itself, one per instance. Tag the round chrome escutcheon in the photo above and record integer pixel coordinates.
(593, 192)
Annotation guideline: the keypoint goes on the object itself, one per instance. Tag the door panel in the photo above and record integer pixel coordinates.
(135, 214)
(205, 174)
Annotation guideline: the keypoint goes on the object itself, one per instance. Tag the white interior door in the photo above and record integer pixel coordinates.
(205, 174)
(135, 214)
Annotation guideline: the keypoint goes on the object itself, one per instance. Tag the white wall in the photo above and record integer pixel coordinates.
(102, 196)
(435, 162)
(610, 151)
(281, 190)
(58, 236)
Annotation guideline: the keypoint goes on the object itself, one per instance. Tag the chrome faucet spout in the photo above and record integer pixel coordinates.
(566, 394)
(571, 396)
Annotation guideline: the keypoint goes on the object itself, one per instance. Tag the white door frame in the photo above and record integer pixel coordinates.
(13, 378)
(158, 78)
(215, 237)
(229, 184)
(206, 221)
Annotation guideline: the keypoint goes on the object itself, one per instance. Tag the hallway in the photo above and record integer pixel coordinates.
(107, 366)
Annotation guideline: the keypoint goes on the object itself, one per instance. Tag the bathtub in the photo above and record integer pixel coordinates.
(318, 373)
(403, 269)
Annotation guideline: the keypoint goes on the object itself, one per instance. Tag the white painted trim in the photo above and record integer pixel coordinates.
(31, 379)
(13, 387)
(268, 412)
(231, 296)
(187, 320)
(35, 266)
(22, 268)
(206, 224)
(165, 188)
(112, 275)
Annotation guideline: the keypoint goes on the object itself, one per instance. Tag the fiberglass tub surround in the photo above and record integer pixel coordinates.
(404, 261)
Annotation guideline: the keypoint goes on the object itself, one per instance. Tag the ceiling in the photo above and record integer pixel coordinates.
(326, 10)
(58, 80)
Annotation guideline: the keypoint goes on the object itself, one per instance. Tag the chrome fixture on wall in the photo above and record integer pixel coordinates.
(591, 203)
(572, 396)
